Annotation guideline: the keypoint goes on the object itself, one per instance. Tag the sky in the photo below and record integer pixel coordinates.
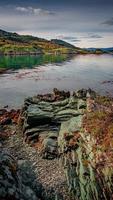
(84, 23)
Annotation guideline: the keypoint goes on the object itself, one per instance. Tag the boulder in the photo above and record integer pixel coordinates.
(84, 93)
(50, 147)
(17, 181)
(36, 116)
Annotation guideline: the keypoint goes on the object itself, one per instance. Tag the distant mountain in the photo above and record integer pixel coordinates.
(18, 38)
(13, 43)
(103, 50)
(63, 43)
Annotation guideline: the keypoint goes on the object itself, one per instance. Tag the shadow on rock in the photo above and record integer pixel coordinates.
(18, 181)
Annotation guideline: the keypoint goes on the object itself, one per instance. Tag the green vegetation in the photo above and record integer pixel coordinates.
(17, 62)
(14, 44)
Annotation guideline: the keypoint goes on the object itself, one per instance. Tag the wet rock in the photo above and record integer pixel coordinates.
(46, 97)
(91, 93)
(83, 93)
(60, 95)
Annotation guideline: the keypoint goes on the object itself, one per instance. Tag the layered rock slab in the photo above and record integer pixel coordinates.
(86, 151)
(62, 133)
(43, 116)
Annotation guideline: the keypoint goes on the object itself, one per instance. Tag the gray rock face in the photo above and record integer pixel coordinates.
(37, 116)
(17, 181)
(44, 118)
(83, 93)
(57, 128)
(50, 148)
(79, 151)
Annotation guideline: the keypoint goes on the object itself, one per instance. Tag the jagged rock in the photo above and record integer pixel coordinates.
(83, 93)
(7, 117)
(53, 135)
(50, 147)
(60, 94)
(67, 131)
(42, 119)
(81, 104)
(79, 155)
(59, 125)
(29, 181)
(67, 112)
(61, 103)
(17, 181)
(36, 116)
(43, 116)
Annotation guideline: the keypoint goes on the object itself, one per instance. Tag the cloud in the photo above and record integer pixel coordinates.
(22, 9)
(95, 36)
(108, 22)
(34, 11)
(69, 38)
(92, 36)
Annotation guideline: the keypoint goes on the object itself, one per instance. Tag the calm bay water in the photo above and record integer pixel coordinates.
(30, 75)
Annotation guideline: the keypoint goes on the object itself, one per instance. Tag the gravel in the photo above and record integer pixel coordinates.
(49, 173)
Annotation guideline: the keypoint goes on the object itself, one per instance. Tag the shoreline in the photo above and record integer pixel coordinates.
(18, 106)
(69, 53)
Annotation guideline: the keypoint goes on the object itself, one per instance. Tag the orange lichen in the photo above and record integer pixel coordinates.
(99, 124)
(39, 144)
(7, 117)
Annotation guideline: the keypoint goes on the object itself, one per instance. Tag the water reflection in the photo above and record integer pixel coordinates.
(32, 75)
(21, 62)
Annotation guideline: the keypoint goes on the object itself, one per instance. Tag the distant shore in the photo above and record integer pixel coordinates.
(51, 53)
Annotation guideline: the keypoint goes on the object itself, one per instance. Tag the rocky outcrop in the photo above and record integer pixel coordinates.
(85, 145)
(69, 127)
(42, 117)
(85, 180)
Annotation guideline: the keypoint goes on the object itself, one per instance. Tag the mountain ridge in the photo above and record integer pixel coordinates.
(12, 43)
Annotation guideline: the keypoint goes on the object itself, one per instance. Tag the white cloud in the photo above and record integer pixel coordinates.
(22, 9)
(34, 11)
